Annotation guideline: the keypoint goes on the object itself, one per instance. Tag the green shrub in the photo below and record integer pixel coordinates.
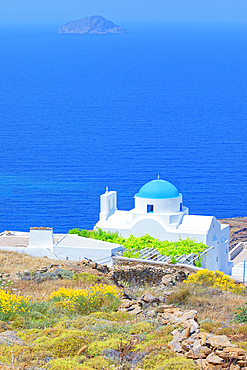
(96, 348)
(240, 315)
(86, 277)
(142, 327)
(114, 316)
(66, 364)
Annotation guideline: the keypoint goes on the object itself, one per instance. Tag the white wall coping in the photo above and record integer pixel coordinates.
(237, 249)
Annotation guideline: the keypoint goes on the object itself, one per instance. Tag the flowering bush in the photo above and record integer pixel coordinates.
(215, 279)
(100, 297)
(10, 305)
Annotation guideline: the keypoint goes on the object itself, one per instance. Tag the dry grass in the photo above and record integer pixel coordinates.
(35, 291)
(213, 304)
(13, 262)
(217, 307)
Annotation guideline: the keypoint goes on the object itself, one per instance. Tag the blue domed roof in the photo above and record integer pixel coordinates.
(158, 189)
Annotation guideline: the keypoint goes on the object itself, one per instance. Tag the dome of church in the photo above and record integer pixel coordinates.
(158, 189)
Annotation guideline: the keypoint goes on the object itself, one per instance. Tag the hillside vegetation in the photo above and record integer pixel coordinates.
(77, 318)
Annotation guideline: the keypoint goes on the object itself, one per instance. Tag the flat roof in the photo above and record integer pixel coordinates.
(75, 241)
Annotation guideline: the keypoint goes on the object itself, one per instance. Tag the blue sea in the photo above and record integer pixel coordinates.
(82, 112)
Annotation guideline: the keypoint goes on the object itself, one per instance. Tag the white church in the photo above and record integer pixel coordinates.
(159, 212)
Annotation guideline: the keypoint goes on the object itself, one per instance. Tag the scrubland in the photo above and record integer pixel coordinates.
(73, 322)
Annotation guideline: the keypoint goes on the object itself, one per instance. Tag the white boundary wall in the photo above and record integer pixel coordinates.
(41, 238)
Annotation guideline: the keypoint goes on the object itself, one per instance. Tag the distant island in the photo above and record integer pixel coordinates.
(95, 24)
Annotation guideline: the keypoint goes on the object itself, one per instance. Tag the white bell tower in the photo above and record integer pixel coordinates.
(108, 204)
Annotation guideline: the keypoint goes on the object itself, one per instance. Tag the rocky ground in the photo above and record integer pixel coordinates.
(238, 230)
(165, 316)
(162, 319)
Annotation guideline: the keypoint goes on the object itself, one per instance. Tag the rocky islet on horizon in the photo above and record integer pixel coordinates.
(95, 24)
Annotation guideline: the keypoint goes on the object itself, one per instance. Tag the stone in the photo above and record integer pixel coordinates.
(189, 323)
(161, 309)
(219, 341)
(204, 339)
(214, 359)
(202, 351)
(148, 297)
(234, 367)
(126, 303)
(235, 350)
(175, 346)
(201, 363)
(93, 265)
(136, 311)
(84, 262)
(190, 315)
(161, 299)
(150, 313)
(242, 362)
(222, 354)
(197, 351)
(166, 280)
(195, 354)
(186, 332)
(132, 307)
(175, 332)
(187, 344)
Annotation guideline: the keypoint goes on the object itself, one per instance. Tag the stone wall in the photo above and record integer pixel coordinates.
(137, 273)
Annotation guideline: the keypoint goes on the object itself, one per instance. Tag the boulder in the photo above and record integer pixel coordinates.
(234, 367)
(137, 310)
(202, 364)
(148, 297)
(175, 346)
(219, 341)
(214, 359)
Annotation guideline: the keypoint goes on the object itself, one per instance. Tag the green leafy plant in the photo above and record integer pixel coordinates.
(241, 314)
(133, 245)
(86, 277)
(173, 260)
(198, 263)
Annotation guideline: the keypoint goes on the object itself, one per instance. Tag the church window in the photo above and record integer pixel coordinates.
(181, 207)
(150, 208)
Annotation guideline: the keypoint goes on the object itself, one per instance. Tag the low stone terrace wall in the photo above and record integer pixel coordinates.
(137, 271)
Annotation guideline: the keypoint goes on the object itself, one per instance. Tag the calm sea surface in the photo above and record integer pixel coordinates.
(79, 113)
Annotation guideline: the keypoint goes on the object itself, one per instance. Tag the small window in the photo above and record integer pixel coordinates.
(216, 259)
(150, 208)
(181, 207)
